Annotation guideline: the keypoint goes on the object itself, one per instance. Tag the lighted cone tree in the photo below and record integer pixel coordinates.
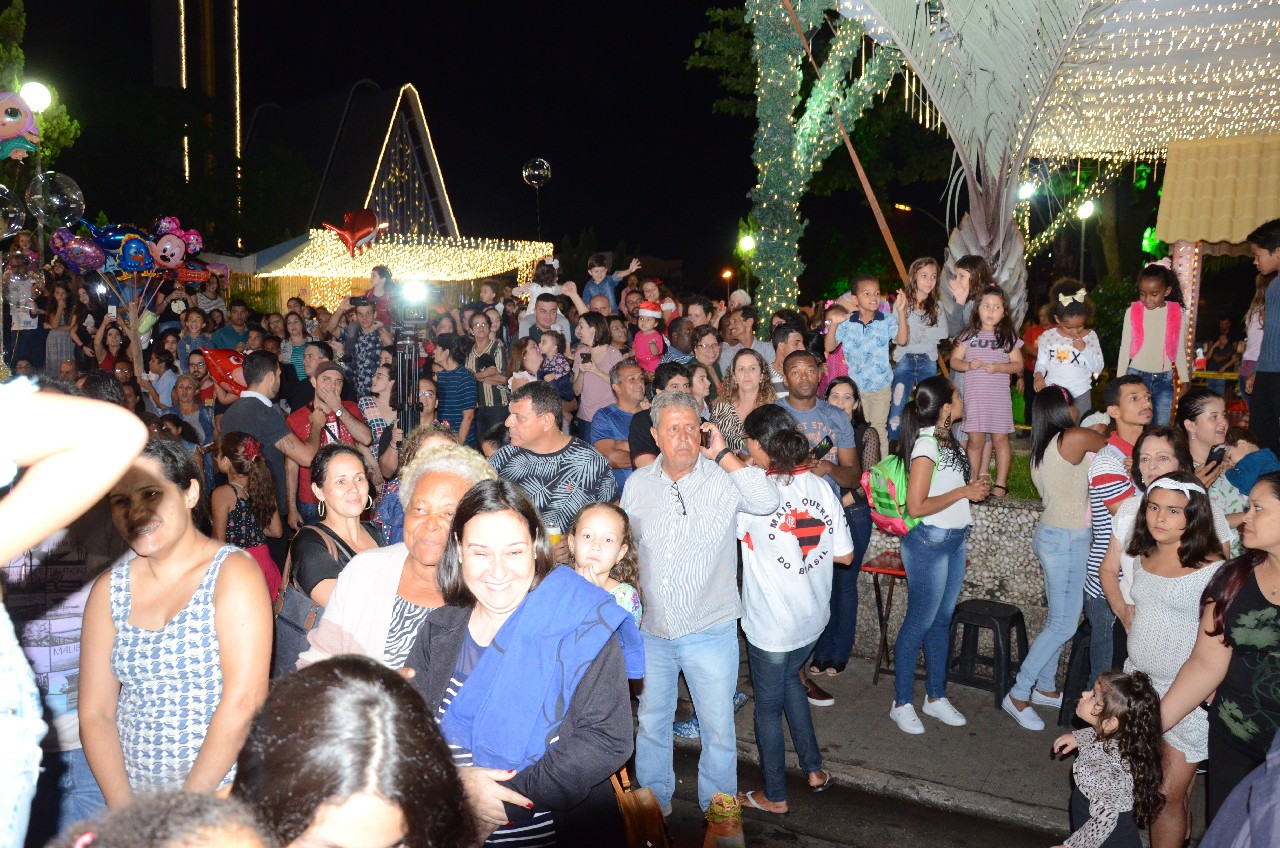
(988, 67)
(794, 138)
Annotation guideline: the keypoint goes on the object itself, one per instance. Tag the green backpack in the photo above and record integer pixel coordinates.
(886, 487)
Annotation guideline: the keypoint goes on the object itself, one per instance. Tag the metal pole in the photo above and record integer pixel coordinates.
(1084, 222)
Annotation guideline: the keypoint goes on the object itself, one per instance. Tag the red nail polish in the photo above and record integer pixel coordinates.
(530, 806)
(508, 824)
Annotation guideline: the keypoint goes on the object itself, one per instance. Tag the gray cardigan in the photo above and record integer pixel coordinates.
(596, 738)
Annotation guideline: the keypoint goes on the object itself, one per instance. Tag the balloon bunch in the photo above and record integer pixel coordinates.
(167, 253)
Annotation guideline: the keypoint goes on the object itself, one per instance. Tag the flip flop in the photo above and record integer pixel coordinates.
(824, 785)
(815, 669)
(747, 799)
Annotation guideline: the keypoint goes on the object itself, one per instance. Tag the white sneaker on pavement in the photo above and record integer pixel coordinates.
(906, 718)
(1038, 697)
(1026, 717)
(942, 710)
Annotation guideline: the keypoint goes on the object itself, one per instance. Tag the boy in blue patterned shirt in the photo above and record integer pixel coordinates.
(865, 337)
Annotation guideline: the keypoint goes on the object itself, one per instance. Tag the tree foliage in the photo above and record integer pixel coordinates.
(58, 130)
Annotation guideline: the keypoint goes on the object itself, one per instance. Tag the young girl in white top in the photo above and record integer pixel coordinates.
(1069, 353)
(788, 559)
(1117, 775)
(933, 552)
(604, 552)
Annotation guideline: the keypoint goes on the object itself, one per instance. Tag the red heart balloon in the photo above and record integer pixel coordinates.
(359, 227)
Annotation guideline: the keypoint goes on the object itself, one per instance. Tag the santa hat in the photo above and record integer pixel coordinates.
(649, 309)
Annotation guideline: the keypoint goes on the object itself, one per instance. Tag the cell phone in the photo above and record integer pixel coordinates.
(1216, 455)
(111, 310)
(585, 356)
(823, 447)
(706, 439)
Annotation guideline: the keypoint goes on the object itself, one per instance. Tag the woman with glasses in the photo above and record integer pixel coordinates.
(488, 361)
(706, 349)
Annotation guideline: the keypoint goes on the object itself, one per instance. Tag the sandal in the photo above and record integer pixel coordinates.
(747, 799)
(824, 785)
(816, 668)
(1004, 491)
(834, 669)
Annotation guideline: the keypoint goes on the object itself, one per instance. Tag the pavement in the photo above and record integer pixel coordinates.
(991, 768)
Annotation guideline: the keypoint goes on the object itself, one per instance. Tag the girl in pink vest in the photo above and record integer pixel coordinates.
(1152, 343)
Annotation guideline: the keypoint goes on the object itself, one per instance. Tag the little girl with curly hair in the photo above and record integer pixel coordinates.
(1117, 777)
(244, 510)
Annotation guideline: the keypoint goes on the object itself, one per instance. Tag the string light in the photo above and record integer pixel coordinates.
(401, 174)
(334, 273)
(792, 142)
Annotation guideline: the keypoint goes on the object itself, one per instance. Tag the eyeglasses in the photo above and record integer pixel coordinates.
(426, 394)
(706, 346)
(679, 499)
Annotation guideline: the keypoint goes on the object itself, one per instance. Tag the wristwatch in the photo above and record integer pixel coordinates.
(337, 413)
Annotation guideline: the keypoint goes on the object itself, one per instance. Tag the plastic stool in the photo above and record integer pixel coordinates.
(1002, 620)
(888, 565)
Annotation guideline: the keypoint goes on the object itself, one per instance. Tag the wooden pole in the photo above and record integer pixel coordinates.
(857, 163)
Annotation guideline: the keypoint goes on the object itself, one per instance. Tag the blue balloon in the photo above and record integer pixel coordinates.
(110, 237)
(135, 254)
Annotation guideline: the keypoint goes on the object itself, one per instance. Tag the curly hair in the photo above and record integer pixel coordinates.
(1132, 701)
(262, 487)
(765, 394)
(627, 568)
(166, 820)
(911, 290)
(1199, 543)
(1067, 300)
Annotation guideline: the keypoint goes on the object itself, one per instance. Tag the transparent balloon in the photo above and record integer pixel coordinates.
(13, 216)
(54, 199)
(536, 172)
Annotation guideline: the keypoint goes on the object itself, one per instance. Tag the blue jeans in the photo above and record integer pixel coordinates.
(913, 368)
(310, 512)
(1064, 556)
(1161, 387)
(709, 660)
(775, 677)
(1101, 646)
(934, 559)
(836, 642)
(584, 429)
(67, 793)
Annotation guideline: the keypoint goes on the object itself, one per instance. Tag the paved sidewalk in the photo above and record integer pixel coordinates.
(991, 767)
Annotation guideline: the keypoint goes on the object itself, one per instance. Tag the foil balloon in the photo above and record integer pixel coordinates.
(359, 227)
(12, 214)
(193, 274)
(536, 172)
(19, 134)
(109, 237)
(135, 255)
(54, 199)
(226, 367)
(85, 254)
(169, 251)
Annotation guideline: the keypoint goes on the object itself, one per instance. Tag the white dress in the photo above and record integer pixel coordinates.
(1166, 621)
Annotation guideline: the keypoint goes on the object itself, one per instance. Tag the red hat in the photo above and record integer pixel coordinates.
(649, 309)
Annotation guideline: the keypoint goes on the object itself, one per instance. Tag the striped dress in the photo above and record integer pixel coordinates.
(532, 833)
(988, 401)
(170, 683)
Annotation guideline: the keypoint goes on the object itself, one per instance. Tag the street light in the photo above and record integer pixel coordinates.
(902, 207)
(38, 98)
(1026, 191)
(727, 276)
(747, 243)
(1084, 212)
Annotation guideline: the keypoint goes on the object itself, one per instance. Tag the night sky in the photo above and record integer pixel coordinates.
(597, 89)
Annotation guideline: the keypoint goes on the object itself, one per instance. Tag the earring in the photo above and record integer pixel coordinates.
(321, 509)
(946, 422)
(369, 505)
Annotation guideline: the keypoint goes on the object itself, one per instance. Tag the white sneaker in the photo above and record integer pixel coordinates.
(1025, 717)
(942, 710)
(906, 718)
(1038, 697)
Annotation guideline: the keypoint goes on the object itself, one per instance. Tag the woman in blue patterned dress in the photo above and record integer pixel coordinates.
(176, 640)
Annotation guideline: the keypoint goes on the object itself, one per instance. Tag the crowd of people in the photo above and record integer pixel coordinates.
(562, 531)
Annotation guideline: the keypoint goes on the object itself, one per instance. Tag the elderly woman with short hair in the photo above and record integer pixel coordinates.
(527, 670)
(383, 596)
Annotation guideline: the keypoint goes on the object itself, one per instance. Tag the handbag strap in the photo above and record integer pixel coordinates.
(286, 578)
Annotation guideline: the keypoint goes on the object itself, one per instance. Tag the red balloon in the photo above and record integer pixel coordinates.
(359, 227)
(226, 368)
